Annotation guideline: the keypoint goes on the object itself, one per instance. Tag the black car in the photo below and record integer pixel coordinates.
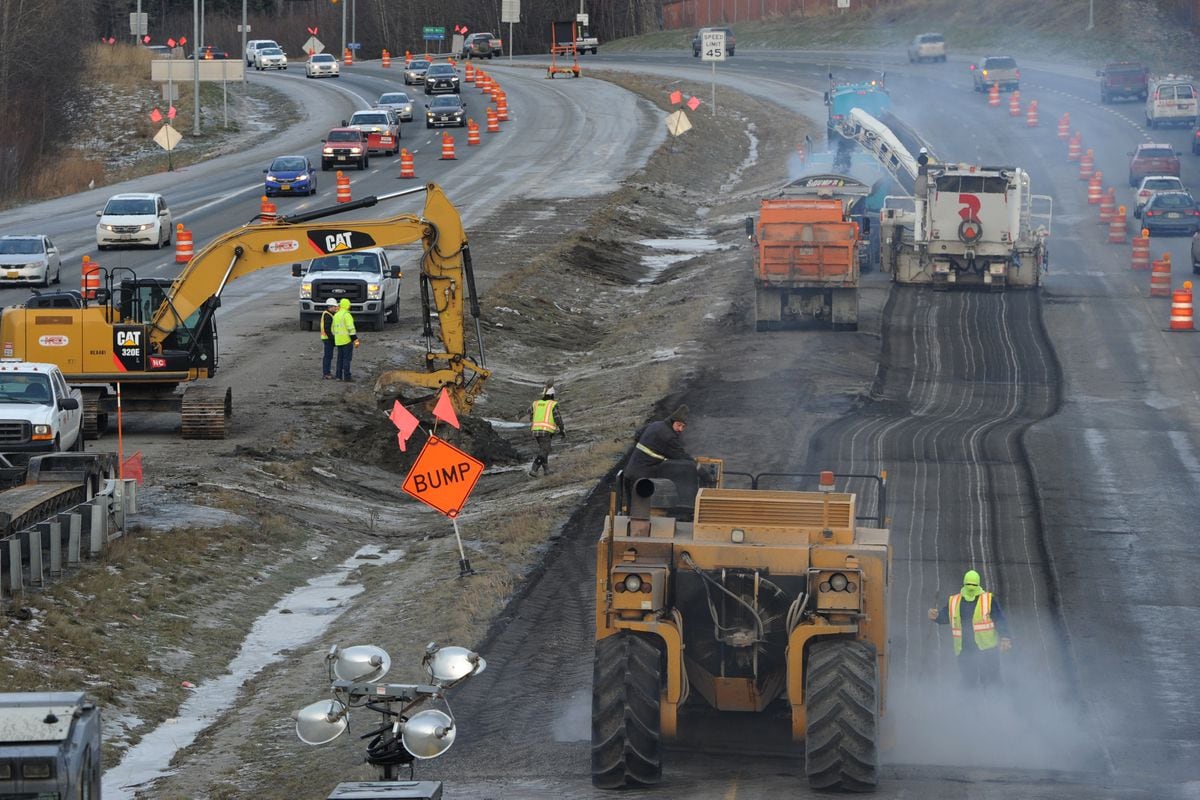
(1171, 212)
(448, 109)
(441, 78)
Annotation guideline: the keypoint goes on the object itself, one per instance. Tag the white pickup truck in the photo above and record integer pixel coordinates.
(364, 277)
(584, 43)
(39, 412)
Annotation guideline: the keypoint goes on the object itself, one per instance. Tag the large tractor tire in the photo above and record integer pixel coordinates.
(841, 745)
(627, 679)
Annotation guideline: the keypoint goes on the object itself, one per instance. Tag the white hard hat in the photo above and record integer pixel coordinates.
(332, 303)
(549, 392)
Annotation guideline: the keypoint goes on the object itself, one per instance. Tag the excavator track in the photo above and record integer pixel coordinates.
(204, 412)
(95, 420)
(23, 506)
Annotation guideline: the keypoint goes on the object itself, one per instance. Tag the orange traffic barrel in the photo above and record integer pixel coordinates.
(494, 92)
(1031, 117)
(1108, 205)
(493, 121)
(472, 133)
(469, 76)
(90, 282)
(502, 113)
(407, 168)
(407, 58)
(478, 76)
(1014, 104)
(266, 210)
(994, 96)
(1160, 277)
(1074, 147)
(1141, 251)
(485, 83)
(343, 187)
(348, 57)
(1181, 308)
(387, 59)
(448, 147)
(1087, 164)
(1064, 126)
(1116, 227)
(184, 248)
(1095, 190)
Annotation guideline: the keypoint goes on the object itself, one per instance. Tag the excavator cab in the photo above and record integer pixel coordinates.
(193, 341)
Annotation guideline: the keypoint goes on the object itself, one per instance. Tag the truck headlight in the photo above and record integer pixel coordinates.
(327, 151)
(306, 291)
(42, 432)
(374, 291)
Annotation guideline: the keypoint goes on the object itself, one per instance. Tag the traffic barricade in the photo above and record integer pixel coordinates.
(1160, 277)
(1031, 115)
(343, 187)
(502, 115)
(1116, 227)
(1064, 126)
(387, 59)
(90, 280)
(472, 133)
(1181, 308)
(267, 210)
(493, 121)
(1074, 147)
(407, 167)
(348, 57)
(469, 73)
(1087, 164)
(994, 96)
(1014, 104)
(184, 247)
(1141, 251)
(448, 147)
(1095, 190)
(1108, 205)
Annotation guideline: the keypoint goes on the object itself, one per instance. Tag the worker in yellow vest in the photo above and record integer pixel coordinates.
(979, 643)
(545, 420)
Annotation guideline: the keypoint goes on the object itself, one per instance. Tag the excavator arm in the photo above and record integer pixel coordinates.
(447, 280)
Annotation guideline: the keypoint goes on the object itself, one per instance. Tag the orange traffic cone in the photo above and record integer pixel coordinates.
(1116, 227)
(266, 210)
(343, 187)
(387, 59)
(348, 57)
(502, 113)
(1031, 116)
(407, 168)
(494, 91)
(1064, 126)
(485, 83)
(1141, 251)
(1087, 163)
(448, 147)
(1095, 188)
(1181, 308)
(407, 58)
(1074, 146)
(1014, 104)
(469, 75)
(472, 133)
(1160, 277)
(493, 121)
(994, 96)
(90, 283)
(478, 76)
(1108, 206)
(184, 249)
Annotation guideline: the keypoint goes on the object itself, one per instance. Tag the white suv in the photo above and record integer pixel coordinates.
(254, 45)
(133, 219)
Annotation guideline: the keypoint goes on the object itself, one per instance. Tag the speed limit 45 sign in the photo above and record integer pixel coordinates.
(712, 46)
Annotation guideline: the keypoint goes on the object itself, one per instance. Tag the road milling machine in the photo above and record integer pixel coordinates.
(964, 225)
(151, 336)
(736, 597)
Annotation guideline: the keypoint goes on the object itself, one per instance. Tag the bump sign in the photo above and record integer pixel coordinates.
(443, 476)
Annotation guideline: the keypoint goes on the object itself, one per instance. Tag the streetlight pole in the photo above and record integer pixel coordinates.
(343, 28)
(243, 38)
(353, 21)
(196, 68)
(1091, 14)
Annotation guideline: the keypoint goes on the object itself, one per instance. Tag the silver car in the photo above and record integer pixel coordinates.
(414, 73)
(399, 102)
(321, 64)
(269, 58)
(29, 259)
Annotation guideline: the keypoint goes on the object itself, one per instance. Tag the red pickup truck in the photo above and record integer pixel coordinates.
(1127, 80)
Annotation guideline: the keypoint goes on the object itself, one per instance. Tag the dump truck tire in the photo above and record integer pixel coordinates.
(841, 746)
(626, 696)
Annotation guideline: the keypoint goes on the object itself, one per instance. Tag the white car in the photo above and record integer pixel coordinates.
(927, 47)
(253, 46)
(1155, 183)
(44, 414)
(29, 259)
(269, 58)
(321, 64)
(133, 219)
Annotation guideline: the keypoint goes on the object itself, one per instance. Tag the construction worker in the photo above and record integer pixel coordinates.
(345, 339)
(979, 644)
(545, 420)
(658, 453)
(331, 307)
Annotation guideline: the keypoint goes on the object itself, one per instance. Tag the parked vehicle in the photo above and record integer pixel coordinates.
(30, 258)
(133, 219)
(482, 45)
(290, 175)
(39, 412)
(1125, 80)
(998, 71)
(1171, 101)
(927, 47)
(365, 277)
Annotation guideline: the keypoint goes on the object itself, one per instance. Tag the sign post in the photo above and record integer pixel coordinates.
(712, 48)
(442, 478)
(433, 33)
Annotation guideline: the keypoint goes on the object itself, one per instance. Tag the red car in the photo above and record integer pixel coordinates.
(1152, 159)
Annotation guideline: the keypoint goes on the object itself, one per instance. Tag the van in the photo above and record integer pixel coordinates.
(998, 71)
(1171, 101)
(927, 47)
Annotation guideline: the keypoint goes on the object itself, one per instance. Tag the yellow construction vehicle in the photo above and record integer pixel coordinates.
(737, 598)
(151, 336)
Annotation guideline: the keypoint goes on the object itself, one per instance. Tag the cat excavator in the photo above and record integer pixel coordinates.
(150, 336)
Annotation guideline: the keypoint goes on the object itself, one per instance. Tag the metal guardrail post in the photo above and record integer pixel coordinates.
(16, 581)
(37, 571)
(98, 525)
(131, 496)
(75, 529)
(54, 528)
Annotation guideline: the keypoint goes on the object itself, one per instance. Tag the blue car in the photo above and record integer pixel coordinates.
(290, 175)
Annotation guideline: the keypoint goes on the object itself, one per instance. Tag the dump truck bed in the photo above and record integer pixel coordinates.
(806, 242)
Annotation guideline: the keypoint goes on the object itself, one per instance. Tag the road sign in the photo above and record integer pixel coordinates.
(313, 46)
(443, 476)
(510, 11)
(678, 123)
(138, 24)
(712, 46)
(582, 19)
(431, 33)
(167, 137)
(243, 28)
(353, 45)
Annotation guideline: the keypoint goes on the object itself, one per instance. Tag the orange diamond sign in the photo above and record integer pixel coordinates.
(443, 476)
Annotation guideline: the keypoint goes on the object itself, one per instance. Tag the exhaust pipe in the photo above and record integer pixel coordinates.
(639, 507)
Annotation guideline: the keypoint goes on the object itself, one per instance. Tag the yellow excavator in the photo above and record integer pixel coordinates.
(151, 336)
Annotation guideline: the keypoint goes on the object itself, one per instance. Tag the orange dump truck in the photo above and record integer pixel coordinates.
(806, 263)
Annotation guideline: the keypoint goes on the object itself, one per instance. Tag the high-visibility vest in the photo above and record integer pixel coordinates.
(324, 314)
(984, 627)
(543, 416)
(342, 327)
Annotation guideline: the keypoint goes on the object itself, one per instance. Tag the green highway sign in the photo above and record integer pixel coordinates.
(429, 32)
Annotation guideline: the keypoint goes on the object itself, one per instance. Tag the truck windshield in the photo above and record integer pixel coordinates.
(346, 262)
(25, 387)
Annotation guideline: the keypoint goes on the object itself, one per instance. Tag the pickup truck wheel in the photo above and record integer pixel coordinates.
(78, 446)
(393, 314)
(366, 162)
(307, 324)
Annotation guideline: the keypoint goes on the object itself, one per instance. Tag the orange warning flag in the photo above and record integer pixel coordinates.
(133, 467)
(444, 410)
(676, 97)
(403, 419)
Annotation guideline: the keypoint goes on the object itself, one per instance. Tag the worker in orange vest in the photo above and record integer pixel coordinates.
(978, 644)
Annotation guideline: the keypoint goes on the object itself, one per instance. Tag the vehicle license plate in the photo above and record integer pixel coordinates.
(341, 158)
(1173, 215)
(14, 274)
(285, 188)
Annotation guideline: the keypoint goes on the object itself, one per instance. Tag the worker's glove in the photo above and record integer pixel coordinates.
(1005, 644)
(357, 342)
(933, 614)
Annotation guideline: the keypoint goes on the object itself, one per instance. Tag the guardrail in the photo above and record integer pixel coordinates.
(32, 557)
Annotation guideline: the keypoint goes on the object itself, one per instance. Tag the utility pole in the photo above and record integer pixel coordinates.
(353, 21)
(243, 38)
(343, 28)
(196, 67)
(1091, 14)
